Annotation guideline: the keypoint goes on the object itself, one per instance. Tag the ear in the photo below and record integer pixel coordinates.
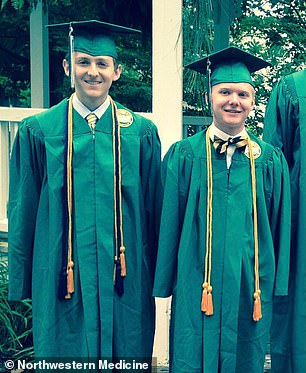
(253, 103)
(118, 72)
(206, 98)
(65, 65)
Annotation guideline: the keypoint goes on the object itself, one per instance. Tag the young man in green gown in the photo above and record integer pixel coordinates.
(225, 230)
(284, 126)
(83, 212)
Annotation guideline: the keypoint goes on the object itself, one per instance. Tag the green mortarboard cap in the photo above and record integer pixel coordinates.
(93, 37)
(230, 65)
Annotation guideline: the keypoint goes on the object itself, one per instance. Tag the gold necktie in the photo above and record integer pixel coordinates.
(91, 120)
(221, 145)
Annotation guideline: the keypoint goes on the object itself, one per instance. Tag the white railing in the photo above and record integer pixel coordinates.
(9, 119)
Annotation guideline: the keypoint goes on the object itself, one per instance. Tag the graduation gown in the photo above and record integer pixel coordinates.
(229, 341)
(285, 126)
(96, 322)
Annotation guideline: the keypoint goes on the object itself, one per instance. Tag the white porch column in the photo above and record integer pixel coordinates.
(4, 159)
(167, 70)
(167, 115)
(39, 50)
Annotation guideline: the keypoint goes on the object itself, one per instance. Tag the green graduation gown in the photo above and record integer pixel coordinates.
(95, 322)
(285, 126)
(229, 341)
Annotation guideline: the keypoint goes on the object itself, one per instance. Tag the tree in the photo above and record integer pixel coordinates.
(275, 30)
(135, 55)
(278, 29)
(197, 41)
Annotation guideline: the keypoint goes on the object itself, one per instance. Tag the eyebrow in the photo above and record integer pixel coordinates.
(231, 89)
(102, 58)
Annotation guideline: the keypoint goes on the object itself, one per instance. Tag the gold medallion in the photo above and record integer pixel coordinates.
(255, 148)
(125, 118)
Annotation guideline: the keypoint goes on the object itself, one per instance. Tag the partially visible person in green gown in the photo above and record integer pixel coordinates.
(83, 212)
(285, 127)
(225, 230)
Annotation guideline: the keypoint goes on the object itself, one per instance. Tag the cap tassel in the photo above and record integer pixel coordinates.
(257, 315)
(122, 261)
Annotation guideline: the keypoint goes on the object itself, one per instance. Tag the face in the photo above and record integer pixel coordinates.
(231, 105)
(93, 77)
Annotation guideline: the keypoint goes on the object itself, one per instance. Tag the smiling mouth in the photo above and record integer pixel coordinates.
(232, 111)
(92, 82)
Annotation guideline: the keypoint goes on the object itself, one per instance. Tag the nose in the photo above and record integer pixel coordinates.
(92, 69)
(233, 99)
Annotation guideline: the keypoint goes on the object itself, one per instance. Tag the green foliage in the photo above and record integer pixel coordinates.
(197, 41)
(15, 92)
(15, 323)
(134, 88)
(276, 31)
(19, 4)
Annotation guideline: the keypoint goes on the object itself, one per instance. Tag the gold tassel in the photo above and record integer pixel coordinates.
(210, 306)
(122, 261)
(257, 315)
(204, 297)
(70, 280)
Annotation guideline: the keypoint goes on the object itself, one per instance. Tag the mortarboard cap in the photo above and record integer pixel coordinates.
(93, 37)
(230, 65)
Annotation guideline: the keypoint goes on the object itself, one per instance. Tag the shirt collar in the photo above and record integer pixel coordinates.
(214, 131)
(84, 111)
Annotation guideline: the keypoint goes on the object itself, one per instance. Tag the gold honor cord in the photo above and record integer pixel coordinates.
(207, 302)
(70, 264)
(257, 315)
(120, 248)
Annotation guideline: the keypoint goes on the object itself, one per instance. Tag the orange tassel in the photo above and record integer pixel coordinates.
(210, 306)
(204, 297)
(257, 315)
(70, 281)
(122, 261)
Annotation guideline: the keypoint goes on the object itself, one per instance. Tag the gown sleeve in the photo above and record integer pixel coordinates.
(151, 184)
(281, 119)
(176, 170)
(26, 174)
(280, 218)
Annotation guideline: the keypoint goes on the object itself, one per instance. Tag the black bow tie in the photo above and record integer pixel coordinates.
(221, 145)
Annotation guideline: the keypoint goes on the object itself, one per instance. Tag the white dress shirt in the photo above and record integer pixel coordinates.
(84, 111)
(214, 131)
